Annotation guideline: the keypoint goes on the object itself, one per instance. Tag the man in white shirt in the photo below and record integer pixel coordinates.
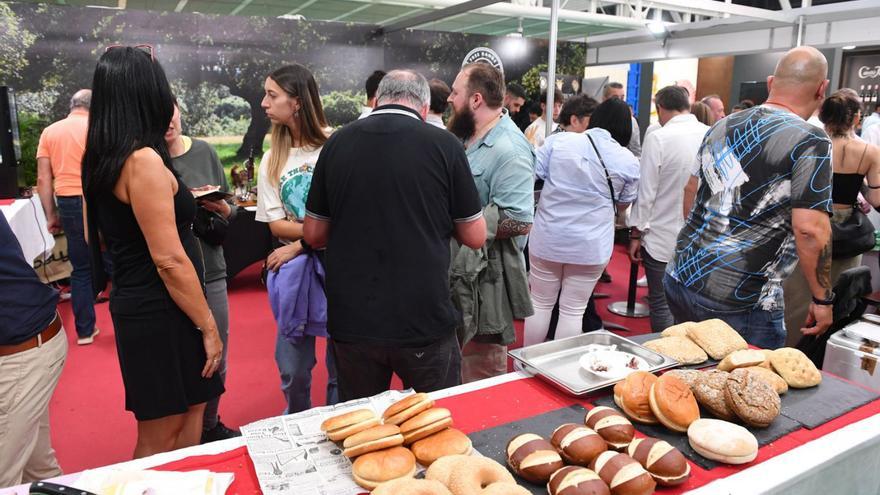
(536, 132)
(669, 157)
(871, 120)
(371, 86)
(439, 94)
(872, 135)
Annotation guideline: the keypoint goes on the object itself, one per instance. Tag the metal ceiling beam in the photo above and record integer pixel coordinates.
(526, 12)
(240, 7)
(429, 17)
(482, 24)
(300, 8)
(351, 12)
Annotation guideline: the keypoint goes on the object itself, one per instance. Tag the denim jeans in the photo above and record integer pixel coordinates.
(295, 363)
(759, 327)
(71, 213)
(661, 317)
(218, 301)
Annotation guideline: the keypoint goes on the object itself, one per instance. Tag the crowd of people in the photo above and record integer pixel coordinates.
(413, 248)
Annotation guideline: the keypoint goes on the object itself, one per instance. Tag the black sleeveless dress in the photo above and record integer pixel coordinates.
(160, 351)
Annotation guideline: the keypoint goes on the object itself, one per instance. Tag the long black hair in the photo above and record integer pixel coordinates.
(132, 106)
(614, 116)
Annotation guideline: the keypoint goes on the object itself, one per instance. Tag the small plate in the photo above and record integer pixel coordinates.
(615, 363)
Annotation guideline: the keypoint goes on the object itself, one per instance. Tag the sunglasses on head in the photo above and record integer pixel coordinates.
(148, 49)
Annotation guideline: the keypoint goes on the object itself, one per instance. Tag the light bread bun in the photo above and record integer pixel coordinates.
(376, 438)
(425, 424)
(722, 441)
(343, 426)
(372, 469)
(741, 359)
(406, 408)
(446, 442)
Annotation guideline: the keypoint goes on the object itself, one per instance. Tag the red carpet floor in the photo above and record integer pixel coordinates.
(91, 428)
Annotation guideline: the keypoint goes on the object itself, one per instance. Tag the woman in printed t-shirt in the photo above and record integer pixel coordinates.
(299, 130)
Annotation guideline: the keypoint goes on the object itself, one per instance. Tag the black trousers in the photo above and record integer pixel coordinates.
(365, 369)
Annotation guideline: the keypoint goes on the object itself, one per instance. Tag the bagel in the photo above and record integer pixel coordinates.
(441, 469)
(477, 473)
(408, 486)
(501, 488)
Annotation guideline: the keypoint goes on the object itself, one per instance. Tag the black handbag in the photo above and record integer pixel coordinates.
(853, 237)
(210, 227)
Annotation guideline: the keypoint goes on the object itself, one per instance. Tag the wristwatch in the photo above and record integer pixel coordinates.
(824, 302)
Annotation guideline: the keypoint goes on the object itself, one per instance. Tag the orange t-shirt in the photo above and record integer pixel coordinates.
(64, 143)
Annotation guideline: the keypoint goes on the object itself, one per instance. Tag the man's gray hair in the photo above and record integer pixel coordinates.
(405, 87)
(81, 99)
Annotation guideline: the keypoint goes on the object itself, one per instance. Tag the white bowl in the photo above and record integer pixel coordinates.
(612, 365)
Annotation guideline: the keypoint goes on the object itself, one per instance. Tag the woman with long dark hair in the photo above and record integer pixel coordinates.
(587, 176)
(166, 337)
(299, 130)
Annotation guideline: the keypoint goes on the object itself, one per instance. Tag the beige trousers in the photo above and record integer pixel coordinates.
(479, 361)
(27, 381)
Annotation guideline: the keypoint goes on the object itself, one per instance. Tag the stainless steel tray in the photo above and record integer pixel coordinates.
(557, 361)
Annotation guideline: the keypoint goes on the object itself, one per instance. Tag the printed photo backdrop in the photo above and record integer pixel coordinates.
(218, 64)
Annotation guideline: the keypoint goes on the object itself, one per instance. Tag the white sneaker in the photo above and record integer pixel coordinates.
(88, 340)
(642, 282)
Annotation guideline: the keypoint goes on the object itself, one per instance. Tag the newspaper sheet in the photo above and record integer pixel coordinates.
(293, 456)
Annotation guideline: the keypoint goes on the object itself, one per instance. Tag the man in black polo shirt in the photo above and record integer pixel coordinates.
(32, 351)
(388, 193)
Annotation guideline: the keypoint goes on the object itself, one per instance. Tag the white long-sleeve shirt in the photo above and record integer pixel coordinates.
(574, 222)
(669, 158)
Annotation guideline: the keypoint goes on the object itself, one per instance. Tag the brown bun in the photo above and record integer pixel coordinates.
(665, 463)
(751, 398)
(406, 408)
(617, 431)
(578, 444)
(576, 480)
(673, 403)
(623, 474)
(376, 438)
(343, 426)
(533, 458)
(447, 442)
(425, 424)
(632, 396)
(372, 469)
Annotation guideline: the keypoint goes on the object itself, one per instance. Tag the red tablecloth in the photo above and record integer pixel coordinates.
(507, 402)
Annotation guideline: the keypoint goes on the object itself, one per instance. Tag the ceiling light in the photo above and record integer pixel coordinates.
(849, 47)
(657, 27)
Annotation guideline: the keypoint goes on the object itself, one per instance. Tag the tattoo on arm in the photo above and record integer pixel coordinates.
(509, 227)
(823, 268)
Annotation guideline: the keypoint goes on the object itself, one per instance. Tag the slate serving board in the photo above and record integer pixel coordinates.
(492, 442)
(780, 427)
(834, 397)
(641, 339)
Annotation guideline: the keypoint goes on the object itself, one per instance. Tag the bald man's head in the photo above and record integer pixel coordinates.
(81, 99)
(799, 81)
(803, 65)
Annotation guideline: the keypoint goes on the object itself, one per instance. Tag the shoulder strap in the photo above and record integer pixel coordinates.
(607, 176)
(859, 166)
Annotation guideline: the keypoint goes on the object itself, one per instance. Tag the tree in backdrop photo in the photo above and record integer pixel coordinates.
(217, 65)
